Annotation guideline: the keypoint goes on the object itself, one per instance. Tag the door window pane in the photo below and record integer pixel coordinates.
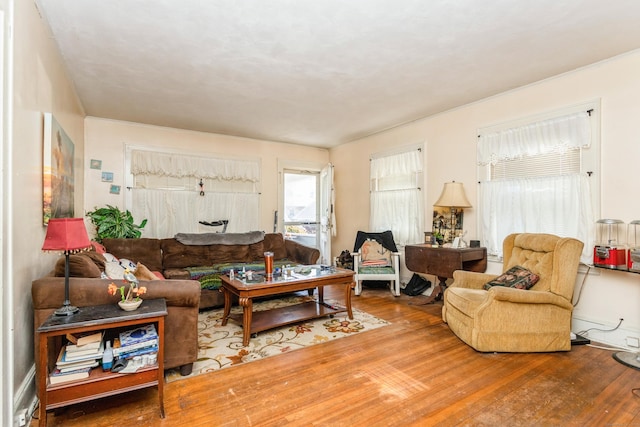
(301, 207)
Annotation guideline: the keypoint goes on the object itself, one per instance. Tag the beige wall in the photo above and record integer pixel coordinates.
(106, 141)
(40, 85)
(450, 154)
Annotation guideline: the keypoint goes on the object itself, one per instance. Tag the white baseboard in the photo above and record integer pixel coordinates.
(25, 396)
(606, 334)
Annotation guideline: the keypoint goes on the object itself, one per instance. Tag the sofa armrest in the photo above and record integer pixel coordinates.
(48, 292)
(300, 253)
(521, 296)
(470, 279)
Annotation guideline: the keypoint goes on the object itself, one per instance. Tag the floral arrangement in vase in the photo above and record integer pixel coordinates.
(130, 295)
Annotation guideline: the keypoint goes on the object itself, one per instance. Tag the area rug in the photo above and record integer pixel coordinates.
(220, 346)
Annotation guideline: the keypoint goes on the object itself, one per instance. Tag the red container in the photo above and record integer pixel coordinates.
(633, 242)
(610, 250)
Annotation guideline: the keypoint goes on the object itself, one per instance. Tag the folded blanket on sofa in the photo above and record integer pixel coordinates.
(202, 239)
(209, 276)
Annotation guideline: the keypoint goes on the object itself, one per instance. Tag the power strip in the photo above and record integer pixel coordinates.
(579, 339)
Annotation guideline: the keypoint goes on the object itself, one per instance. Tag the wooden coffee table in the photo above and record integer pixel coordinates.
(254, 322)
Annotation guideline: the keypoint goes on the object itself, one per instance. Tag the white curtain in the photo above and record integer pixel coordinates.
(406, 164)
(175, 165)
(171, 212)
(559, 204)
(166, 193)
(546, 136)
(396, 200)
(399, 211)
(328, 228)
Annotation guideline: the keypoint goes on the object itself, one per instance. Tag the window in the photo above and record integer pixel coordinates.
(301, 216)
(540, 177)
(396, 200)
(175, 192)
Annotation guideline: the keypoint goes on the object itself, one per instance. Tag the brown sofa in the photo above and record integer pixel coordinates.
(181, 324)
(174, 259)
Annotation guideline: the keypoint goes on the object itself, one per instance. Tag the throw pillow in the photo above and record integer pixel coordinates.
(109, 257)
(79, 266)
(114, 270)
(125, 263)
(97, 259)
(143, 273)
(374, 254)
(98, 247)
(516, 277)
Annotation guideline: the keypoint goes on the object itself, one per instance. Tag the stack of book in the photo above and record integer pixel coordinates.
(136, 342)
(77, 358)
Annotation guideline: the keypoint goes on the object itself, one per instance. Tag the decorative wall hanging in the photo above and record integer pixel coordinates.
(58, 171)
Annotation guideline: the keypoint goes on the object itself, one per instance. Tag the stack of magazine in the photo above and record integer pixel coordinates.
(136, 342)
(77, 358)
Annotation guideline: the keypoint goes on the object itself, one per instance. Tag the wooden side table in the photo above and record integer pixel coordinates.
(442, 262)
(100, 383)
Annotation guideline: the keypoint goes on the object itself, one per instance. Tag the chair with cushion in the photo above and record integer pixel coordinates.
(376, 258)
(526, 309)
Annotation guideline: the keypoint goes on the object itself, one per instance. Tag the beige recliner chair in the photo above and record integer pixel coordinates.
(505, 319)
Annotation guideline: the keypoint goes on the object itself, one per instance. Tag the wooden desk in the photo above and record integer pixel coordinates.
(99, 384)
(442, 262)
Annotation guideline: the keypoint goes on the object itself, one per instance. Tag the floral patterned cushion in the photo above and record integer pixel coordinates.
(374, 254)
(516, 277)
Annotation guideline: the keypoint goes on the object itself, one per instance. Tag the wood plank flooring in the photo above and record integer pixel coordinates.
(413, 372)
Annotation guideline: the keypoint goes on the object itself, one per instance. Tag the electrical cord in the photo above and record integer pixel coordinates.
(582, 284)
(586, 331)
(612, 348)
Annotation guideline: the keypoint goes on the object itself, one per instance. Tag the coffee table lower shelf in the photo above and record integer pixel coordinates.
(268, 319)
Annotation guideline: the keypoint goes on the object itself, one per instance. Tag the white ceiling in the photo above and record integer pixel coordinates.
(321, 72)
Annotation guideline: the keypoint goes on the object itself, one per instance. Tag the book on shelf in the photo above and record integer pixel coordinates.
(139, 352)
(86, 347)
(78, 365)
(57, 376)
(119, 349)
(140, 334)
(74, 350)
(82, 339)
(67, 358)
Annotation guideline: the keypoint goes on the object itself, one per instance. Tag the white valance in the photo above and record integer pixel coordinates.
(407, 163)
(179, 166)
(554, 135)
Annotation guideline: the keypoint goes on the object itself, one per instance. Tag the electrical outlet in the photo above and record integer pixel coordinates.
(22, 418)
(633, 342)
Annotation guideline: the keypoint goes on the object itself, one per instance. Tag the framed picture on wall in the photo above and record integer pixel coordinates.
(58, 171)
(447, 222)
(114, 189)
(107, 176)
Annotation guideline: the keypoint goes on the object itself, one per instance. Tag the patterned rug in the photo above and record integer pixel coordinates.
(220, 346)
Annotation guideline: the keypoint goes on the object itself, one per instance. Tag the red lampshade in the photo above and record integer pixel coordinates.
(66, 235)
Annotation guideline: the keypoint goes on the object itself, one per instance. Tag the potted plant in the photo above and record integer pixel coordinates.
(112, 223)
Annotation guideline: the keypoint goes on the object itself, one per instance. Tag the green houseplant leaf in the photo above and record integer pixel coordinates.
(112, 223)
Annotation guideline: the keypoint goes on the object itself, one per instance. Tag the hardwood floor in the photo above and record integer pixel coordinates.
(413, 372)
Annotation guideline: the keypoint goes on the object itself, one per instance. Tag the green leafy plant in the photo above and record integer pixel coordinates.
(112, 223)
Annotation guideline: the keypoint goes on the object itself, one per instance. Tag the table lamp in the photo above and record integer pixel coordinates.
(453, 197)
(66, 235)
